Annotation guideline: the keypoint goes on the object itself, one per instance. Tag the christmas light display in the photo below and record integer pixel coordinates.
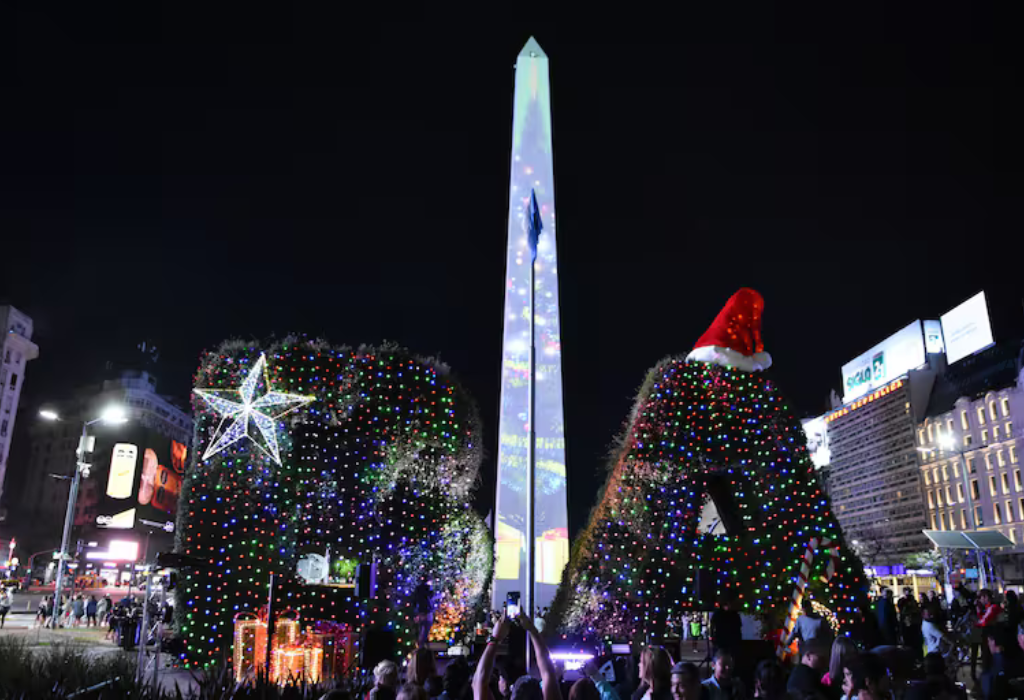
(375, 459)
(704, 434)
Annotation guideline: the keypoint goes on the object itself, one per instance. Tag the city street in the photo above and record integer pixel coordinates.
(28, 601)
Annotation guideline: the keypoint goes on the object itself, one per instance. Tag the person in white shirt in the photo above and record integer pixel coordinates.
(935, 639)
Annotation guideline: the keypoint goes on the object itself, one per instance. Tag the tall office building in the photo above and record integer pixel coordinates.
(531, 171)
(16, 349)
(873, 474)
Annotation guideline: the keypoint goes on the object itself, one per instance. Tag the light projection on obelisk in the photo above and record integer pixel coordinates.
(531, 171)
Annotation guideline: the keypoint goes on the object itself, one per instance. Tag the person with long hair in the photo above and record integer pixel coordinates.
(655, 675)
(844, 650)
(867, 679)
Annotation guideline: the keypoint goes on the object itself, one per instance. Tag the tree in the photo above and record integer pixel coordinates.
(705, 444)
(373, 452)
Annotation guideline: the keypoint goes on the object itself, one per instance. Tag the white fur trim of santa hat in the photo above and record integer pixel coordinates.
(727, 357)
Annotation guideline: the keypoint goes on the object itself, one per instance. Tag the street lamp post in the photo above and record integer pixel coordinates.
(113, 415)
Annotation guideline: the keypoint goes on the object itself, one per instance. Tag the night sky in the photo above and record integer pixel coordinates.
(187, 178)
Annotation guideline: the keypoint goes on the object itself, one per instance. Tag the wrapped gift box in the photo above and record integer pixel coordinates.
(552, 551)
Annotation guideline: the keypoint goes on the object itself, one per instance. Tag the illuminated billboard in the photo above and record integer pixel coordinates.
(933, 342)
(141, 473)
(967, 328)
(816, 432)
(893, 357)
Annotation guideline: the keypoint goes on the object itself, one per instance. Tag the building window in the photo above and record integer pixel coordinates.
(949, 495)
(1004, 403)
(931, 434)
(935, 476)
(1001, 458)
(956, 469)
(979, 521)
(3, 428)
(992, 410)
(984, 437)
(963, 519)
(992, 484)
(997, 514)
(945, 473)
(1016, 480)
(942, 521)
(963, 420)
(1020, 508)
(981, 416)
(1013, 535)
(988, 460)
(1006, 483)
(934, 526)
(975, 493)
(920, 436)
(959, 493)
(1009, 429)
(927, 479)
(1013, 454)
(938, 496)
(931, 500)
(1009, 511)
(968, 440)
(949, 426)
(970, 466)
(14, 382)
(995, 432)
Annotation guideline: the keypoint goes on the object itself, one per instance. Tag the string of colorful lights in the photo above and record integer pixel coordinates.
(701, 430)
(372, 452)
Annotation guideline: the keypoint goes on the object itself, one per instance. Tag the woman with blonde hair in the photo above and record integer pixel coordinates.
(655, 675)
(385, 676)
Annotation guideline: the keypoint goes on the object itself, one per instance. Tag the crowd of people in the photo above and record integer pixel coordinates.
(122, 619)
(913, 653)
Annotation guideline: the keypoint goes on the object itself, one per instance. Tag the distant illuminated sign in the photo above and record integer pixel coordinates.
(873, 396)
(816, 431)
(933, 337)
(967, 328)
(894, 356)
(119, 550)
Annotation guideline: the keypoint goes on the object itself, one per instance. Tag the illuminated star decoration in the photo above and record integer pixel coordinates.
(251, 416)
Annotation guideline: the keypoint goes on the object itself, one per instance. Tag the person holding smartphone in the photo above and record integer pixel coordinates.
(526, 687)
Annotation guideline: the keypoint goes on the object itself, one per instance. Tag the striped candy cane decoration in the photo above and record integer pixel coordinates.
(796, 600)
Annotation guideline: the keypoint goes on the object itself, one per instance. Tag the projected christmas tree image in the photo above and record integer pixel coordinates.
(712, 495)
(312, 459)
(531, 182)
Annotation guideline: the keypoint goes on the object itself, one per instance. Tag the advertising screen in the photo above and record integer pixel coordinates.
(894, 356)
(816, 431)
(967, 328)
(933, 342)
(140, 471)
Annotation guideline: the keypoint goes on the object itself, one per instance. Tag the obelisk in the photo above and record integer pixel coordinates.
(531, 171)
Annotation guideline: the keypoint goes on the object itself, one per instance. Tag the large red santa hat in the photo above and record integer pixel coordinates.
(734, 339)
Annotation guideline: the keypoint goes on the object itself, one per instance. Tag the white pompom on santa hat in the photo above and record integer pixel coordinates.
(734, 339)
